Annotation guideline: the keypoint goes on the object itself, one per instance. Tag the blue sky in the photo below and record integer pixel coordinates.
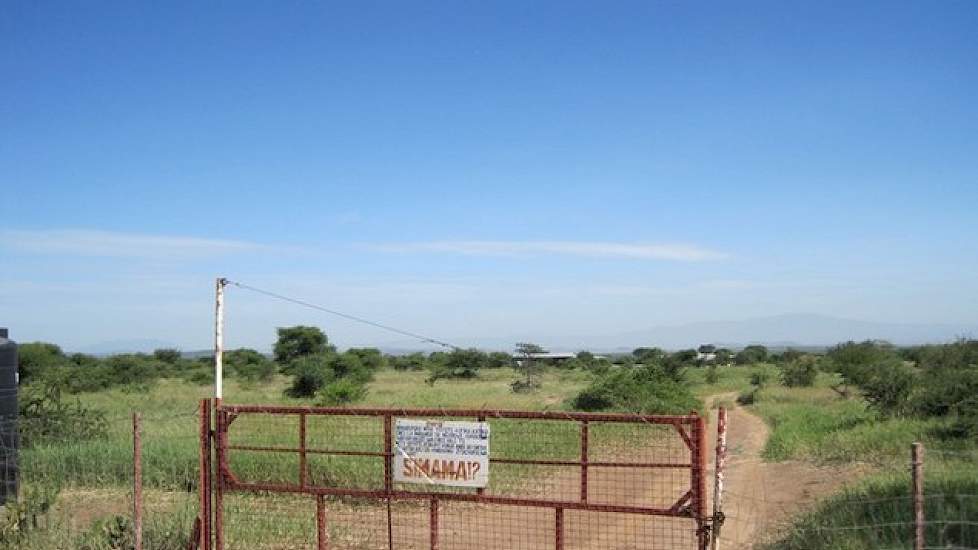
(506, 169)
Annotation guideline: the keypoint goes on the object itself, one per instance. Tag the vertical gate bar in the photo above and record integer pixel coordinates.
(699, 481)
(559, 529)
(433, 524)
(302, 450)
(388, 482)
(388, 454)
(137, 481)
(480, 490)
(322, 530)
(721, 459)
(204, 479)
(219, 441)
(917, 481)
(584, 459)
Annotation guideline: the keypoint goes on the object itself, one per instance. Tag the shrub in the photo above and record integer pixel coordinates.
(370, 358)
(350, 365)
(887, 385)
(167, 355)
(311, 373)
(460, 363)
(342, 392)
(200, 376)
(760, 378)
(498, 360)
(801, 372)
(712, 375)
(646, 389)
(748, 397)
(44, 417)
(34, 358)
(414, 361)
(521, 385)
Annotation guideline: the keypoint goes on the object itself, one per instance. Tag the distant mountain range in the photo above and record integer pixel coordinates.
(792, 330)
(802, 330)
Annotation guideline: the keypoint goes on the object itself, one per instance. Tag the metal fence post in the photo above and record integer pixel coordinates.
(204, 478)
(721, 458)
(699, 482)
(137, 482)
(917, 483)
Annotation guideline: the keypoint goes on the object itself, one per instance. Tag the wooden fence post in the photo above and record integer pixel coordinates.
(137, 482)
(917, 483)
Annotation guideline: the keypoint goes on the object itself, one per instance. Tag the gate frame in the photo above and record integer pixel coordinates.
(690, 505)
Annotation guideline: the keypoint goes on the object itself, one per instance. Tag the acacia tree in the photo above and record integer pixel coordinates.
(528, 367)
(299, 341)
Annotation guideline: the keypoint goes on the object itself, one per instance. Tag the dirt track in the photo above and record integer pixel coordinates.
(760, 496)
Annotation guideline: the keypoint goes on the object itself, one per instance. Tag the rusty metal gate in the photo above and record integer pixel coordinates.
(557, 480)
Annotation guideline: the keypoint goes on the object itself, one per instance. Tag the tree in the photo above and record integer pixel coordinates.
(528, 366)
(723, 356)
(460, 363)
(299, 341)
(801, 372)
(33, 358)
(751, 354)
(370, 357)
(648, 355)
(498, 360)
(413, 361)
(249, 364)
(167, 355)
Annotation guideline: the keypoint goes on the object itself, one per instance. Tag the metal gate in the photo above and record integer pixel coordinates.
(557, 480)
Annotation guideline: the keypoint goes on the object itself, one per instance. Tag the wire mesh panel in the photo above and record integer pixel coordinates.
(555, 480)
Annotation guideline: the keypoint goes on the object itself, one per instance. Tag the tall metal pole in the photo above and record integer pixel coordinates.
(219, 341)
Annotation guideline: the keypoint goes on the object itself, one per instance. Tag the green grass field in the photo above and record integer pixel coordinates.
(97, 474)
(812, 424)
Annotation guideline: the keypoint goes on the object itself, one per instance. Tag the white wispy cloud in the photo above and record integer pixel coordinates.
(79, 242)
(593, 249)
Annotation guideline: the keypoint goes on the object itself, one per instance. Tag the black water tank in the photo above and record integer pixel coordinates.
(8, 418)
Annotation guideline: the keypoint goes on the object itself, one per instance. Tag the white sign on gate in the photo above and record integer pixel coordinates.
(441, 452)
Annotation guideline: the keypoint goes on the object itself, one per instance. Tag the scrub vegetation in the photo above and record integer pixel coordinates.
(856, 403)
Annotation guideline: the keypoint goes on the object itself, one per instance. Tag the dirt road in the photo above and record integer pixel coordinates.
(761, 496)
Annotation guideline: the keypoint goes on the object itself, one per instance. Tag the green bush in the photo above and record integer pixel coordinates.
(645, 389)
(760, 378)
(44, 417)
(415, 361)
(311, 373)
(342, 392)
(712, 376)
(34, 358)
(887, 386)
(801, 372)
(460, 363)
